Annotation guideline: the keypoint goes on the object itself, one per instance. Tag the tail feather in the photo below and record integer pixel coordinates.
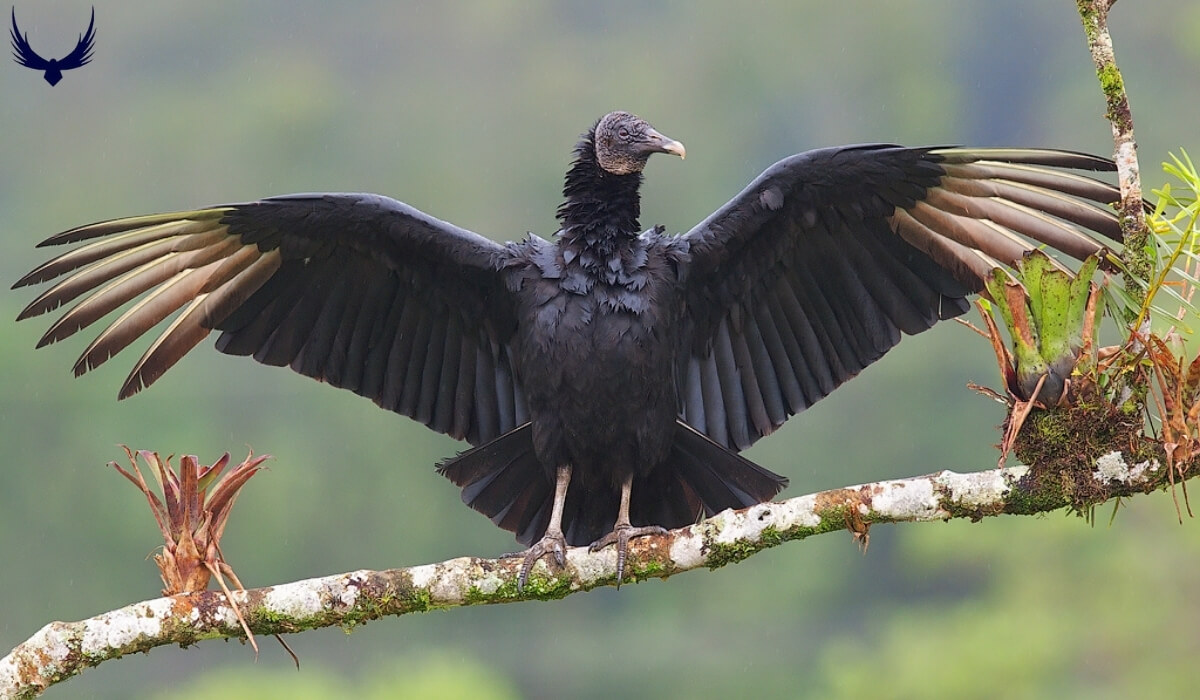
(504, 480)
(709, 483)
(529, 515)
(699, 478)
(674, 501)
(741, 480)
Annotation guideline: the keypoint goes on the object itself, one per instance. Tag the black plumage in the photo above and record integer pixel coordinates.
(608, 377)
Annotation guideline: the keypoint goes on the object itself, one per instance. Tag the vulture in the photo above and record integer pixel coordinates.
(608, 377)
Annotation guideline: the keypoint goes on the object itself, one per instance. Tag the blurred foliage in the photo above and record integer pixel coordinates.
(468, 111)
(438, 675)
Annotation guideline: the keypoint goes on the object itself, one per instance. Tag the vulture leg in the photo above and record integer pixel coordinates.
(553, 542)
(623, 531)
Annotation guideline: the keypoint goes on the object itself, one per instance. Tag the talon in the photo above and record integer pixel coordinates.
(551, 543)
(620, 536)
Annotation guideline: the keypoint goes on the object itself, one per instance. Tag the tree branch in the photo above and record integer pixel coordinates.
(1094, 15)
(63, 649)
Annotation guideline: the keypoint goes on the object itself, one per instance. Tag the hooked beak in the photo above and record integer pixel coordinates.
(664, 144)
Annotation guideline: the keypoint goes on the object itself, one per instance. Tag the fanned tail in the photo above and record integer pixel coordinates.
(699, 478)
(504, 480)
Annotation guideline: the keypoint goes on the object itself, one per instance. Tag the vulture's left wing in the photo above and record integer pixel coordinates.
(817, 267)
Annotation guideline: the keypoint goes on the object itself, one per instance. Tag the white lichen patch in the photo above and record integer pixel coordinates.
(982, 488)
(1113, 467)
(590, 567)
(121, 628)
(486, 584)
(687, 549)
(301, 599)
(56, 647)
(48, 650)
(731, 526)
(906, 500)
(800, 511)
(347, 589)
(424, 576)
(449, 581)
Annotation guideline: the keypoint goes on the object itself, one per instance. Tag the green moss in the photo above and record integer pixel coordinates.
(771, 537)
(721, 554)
(1061, 446)
(277, 621)
(475, 596)
(1028, 497)
(1114, 93)
(372, 605)
(1111, 82)
(1087, 15)
(975, 513)
(377, 598)
(415, 601)
(639, 571)
(539, 587)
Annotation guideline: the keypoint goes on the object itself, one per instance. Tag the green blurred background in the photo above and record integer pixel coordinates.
(468, 111)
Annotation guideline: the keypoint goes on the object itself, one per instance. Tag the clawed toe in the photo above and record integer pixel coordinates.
(551, 543)
(620, 536)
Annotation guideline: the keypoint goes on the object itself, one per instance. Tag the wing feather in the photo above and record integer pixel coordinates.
(819, 266)
(359, 291)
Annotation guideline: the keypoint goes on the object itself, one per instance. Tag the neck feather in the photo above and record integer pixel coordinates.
(599, 206)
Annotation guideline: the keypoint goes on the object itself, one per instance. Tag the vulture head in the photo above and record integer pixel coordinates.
(624, 142)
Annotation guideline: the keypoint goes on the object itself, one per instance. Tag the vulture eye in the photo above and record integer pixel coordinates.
(623, 132)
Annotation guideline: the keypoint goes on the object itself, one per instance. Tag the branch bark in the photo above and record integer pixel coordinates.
(61, 650)
(1094, 15)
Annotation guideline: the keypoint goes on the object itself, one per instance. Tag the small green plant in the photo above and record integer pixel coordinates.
(1050, 314)
(1167, 295)
(1052, 319)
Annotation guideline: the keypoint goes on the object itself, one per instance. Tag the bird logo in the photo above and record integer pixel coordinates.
(24, 54)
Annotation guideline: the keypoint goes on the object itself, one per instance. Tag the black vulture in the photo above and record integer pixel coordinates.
(606, 378)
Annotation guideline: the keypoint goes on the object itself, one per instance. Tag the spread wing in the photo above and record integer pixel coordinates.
(23, 53)
(81, 55)
(817, 267)
(356, 290)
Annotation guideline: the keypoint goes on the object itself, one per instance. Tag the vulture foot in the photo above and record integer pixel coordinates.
(552, 542)
(620, 536)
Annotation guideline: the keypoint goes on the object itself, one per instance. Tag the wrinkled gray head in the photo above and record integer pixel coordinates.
(624, 142)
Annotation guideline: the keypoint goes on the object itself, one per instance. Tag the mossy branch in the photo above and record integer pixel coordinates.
(1138, 261)
(61, 650)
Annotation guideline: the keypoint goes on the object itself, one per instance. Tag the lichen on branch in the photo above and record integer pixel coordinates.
(1094, 15)
(61, 650)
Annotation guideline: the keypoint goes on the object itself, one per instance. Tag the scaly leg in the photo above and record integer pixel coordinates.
(553, 542)
(623, 531)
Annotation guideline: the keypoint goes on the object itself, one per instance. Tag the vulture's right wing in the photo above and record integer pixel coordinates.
(356, 290)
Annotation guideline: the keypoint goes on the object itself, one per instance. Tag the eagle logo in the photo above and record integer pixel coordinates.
(24, 54)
